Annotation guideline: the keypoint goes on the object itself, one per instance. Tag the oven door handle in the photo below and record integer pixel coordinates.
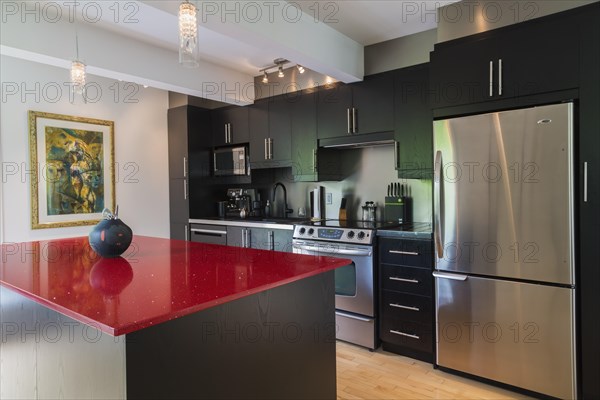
(324, 251)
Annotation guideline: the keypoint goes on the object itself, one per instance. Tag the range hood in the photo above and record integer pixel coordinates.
(358, 141)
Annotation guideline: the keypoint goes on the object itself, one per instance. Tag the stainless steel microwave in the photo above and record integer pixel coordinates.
(230, 161)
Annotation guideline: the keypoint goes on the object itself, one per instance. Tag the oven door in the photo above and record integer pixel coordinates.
(353, 282)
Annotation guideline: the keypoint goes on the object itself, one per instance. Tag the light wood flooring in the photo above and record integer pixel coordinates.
(362, 374)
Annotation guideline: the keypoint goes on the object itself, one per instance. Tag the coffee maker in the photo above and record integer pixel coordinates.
(240, 203)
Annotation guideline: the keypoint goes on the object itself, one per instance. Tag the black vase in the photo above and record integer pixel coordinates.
(110, 238)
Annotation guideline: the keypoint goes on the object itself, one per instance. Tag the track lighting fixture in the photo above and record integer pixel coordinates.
(265, 77)
(278, 63)
(281, 74)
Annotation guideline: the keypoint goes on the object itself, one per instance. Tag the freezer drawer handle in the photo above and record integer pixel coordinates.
(408, 253)
(395, 278)
(453, 277)
(585, 182)
(405, 307)
(437, 181)
(405, 334)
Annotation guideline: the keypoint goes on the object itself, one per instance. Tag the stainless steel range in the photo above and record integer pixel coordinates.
(356, 311)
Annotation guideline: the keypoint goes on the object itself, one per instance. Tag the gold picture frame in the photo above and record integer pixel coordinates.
(72, 169)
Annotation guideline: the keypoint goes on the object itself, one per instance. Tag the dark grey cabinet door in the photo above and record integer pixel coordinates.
(178, 141)
(304, 137)
(373, 104)
(280, 131)
(235, 236)
(179, 231)
(333, 105)
(413, 123)
(259, 132)
(258, 238)
(282, 240)
(230, 126)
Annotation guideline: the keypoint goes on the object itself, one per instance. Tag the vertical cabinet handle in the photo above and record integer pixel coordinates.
(437, 204)
(491, 78)
(229, 132)
(500, 77)
(585, 182)
(185, 227)
(353, 120)
(396, 151)
(185, 167)
(270, 141)
(185, 189)
(348, 119)
(271, 243)
(266, 151)
(248, 238)
(314, 160)
(225, 133)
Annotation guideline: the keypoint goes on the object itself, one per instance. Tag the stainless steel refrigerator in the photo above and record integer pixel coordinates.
(503, 231)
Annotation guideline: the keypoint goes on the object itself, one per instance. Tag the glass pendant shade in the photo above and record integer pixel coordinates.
(188, 35)
(78, 77)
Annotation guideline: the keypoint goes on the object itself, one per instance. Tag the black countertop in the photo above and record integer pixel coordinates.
(411, 230)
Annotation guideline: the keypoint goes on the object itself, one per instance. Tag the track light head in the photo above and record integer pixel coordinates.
(265, 78)
(281, 74)
(300, 68)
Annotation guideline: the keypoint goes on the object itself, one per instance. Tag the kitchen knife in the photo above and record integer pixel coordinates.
(397, 190)
(389, 192)
(401, 190)
(393, 189)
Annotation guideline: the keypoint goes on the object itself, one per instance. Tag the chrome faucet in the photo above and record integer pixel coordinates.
(286, 210)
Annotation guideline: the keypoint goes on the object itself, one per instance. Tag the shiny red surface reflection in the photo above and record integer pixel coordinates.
(156, 280)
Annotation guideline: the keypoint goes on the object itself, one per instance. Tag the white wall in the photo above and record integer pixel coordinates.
(140, 140)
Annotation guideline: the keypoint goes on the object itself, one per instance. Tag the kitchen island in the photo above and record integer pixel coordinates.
(169, 319)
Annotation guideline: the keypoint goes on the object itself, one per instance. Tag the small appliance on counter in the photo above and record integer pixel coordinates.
(240, 203)
(317, 203)
(397, 203)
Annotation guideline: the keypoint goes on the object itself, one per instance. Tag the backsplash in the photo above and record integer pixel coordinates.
(372, 172)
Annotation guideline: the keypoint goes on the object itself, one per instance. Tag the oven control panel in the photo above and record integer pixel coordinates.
(347, 235)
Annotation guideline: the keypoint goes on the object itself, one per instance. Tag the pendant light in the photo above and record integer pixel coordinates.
(188, 35)
(77, 72)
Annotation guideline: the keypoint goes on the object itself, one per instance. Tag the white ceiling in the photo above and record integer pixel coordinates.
(236, 38)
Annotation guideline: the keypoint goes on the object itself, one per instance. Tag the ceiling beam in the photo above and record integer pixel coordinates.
(111, 55)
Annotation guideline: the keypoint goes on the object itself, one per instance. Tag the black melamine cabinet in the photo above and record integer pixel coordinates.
(588, 203)
(539, 56)
(270, 133)
(229, 126)
(413, 129)
(357, 108)
(406, 297)
(188, 139)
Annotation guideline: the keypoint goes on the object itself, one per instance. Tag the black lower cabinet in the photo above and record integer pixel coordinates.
(405, 297)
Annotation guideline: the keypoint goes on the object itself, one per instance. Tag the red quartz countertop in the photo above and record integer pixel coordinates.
(156, 280)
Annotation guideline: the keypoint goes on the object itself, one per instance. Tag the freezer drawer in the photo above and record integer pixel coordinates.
(516, 333)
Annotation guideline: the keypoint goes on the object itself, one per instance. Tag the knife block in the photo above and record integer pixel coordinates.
(397, 209)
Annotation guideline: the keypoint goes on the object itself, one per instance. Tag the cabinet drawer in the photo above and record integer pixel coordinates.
(415, 253)
(407, 333)
(406, 307)
(406, 279)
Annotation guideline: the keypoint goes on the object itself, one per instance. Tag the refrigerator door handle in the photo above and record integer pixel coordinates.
(437, 181)
(453, 277)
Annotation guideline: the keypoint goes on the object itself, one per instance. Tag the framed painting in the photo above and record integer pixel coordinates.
(73, 169)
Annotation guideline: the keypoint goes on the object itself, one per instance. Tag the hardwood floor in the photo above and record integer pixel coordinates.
(362, 374)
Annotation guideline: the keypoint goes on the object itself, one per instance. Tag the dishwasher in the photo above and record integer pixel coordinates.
(213, 234)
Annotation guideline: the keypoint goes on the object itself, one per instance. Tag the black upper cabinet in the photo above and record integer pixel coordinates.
(304, 137)
(270, 133)
(333, 110)
(358, 108)
(539, 56)
(230, 126)
(413, 154)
